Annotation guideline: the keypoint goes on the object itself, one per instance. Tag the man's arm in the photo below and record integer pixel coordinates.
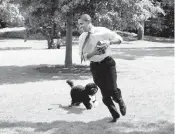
(114, 38)
(117, 41)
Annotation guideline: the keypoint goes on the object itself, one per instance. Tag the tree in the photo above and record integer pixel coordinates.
(122, 14)
(10, 14)
(43, 17)
(72, 10)
(68, 54)
(128, 14)
(162, 26)
(115, 14)
(168, 20)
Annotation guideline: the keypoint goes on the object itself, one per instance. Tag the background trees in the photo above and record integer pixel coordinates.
(54, 16)
(42, 17)
(162, 26)
(128, 14)
(10, 14)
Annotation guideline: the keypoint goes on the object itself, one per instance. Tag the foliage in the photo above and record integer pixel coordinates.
(52, 16)
(43, 17)
(162, 26)
(115, 14)
(126, 14)
(9, 13)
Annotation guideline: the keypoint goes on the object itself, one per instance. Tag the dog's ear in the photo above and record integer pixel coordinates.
(70, 83)
(93, 91)
(91, 88)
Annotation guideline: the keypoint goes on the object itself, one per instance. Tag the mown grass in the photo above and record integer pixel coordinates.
(93, 127)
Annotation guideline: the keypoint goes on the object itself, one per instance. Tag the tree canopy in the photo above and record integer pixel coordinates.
(10, 13)
(51, 16)
(125, 14)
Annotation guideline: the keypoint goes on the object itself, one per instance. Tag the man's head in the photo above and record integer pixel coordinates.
(84, 23)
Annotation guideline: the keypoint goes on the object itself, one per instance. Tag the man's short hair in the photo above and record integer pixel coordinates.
(85, 17)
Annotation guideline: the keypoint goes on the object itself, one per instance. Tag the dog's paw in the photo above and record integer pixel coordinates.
(95, 103)
(69, 106)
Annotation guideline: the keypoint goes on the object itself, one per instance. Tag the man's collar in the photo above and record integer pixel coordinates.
(92, 29)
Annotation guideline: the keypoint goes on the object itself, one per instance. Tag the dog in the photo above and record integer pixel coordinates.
(80, 94)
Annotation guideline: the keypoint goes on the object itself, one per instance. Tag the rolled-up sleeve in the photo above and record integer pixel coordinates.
(113, 36)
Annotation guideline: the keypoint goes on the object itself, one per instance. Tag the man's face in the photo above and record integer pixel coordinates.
(83, 25)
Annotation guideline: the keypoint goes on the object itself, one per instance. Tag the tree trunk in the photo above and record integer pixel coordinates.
(45, 33)
(68, 57)
(49, 42)
(140, 33)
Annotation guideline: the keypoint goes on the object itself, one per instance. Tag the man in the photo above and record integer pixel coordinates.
(102, 65)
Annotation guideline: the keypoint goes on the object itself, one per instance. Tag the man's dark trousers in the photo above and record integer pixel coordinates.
(105, 76)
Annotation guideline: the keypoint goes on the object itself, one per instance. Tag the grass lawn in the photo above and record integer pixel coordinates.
(34, 95)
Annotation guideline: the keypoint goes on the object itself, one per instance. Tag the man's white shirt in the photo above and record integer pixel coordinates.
(96, 34)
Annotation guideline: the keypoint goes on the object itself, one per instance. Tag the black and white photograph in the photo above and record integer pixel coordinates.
(87, 67)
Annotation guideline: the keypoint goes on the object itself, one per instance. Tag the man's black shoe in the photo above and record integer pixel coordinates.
(114, 120)
(122, 106)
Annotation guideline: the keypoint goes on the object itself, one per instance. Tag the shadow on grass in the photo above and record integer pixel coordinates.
(150, 38)
(33, 73)
(135, 53)
(159, 39)
(15, 48)
(72, 110)
(94, 127)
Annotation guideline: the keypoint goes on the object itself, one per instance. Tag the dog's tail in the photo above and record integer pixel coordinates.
(70, 83)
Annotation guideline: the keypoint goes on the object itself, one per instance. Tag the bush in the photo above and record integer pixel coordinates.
(74, 33)
(19, 33)
(13, 34)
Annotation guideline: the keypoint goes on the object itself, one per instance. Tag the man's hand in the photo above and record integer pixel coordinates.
(99, 49)
(96, 51)
(103, 43)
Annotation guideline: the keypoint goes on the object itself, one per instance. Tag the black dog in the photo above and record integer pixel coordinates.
(80, 94)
